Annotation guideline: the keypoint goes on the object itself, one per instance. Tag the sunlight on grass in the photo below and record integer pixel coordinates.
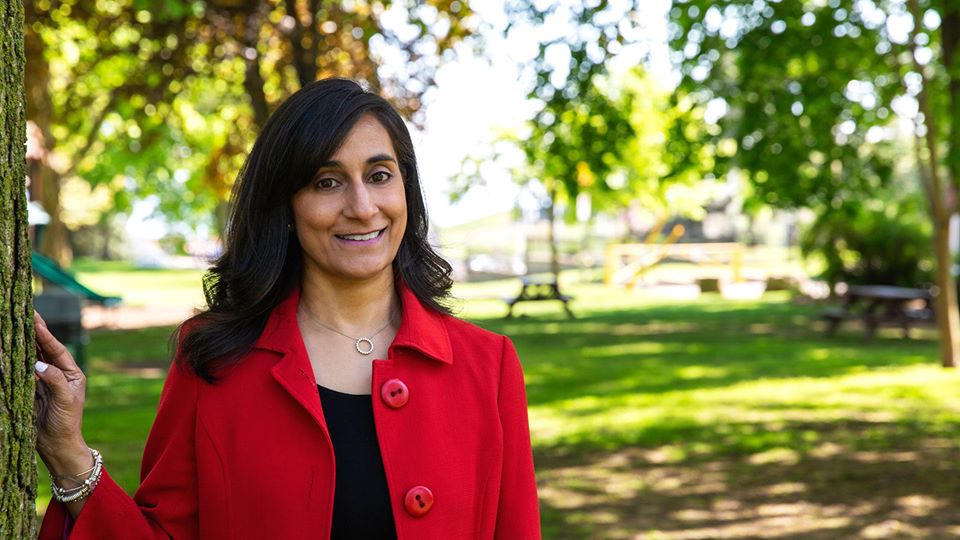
(625, 349)
(894, 395)
(144, 287)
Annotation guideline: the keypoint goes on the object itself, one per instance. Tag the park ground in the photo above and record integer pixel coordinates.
(652, 418)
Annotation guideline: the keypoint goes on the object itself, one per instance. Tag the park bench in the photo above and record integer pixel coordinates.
(539, 289)
(881, 305)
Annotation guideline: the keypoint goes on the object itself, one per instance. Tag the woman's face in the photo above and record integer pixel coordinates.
(351, 217)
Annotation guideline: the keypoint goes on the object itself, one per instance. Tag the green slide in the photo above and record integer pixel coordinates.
(51, 271)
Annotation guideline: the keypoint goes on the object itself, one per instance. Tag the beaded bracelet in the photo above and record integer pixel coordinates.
(85, 488)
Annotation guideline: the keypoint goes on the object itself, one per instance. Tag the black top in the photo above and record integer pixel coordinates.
(361, 503)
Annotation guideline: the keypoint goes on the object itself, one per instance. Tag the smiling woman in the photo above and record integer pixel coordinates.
(350, 219)
(326, 391)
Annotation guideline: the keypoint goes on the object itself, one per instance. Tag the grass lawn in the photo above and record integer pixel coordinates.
(708, 418)
(139, 287)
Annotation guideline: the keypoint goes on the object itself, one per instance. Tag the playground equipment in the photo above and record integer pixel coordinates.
(51, 273)
(638, 258)
(627, 263)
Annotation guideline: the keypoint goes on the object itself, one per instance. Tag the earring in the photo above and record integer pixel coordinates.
(290, 227)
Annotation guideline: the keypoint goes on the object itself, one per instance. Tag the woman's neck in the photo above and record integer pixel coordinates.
(354, 308)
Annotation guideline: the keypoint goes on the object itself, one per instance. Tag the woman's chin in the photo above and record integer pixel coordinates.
(357, 274)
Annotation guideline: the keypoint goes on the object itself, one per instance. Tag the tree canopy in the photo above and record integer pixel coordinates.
(163, 100)
(811, 97)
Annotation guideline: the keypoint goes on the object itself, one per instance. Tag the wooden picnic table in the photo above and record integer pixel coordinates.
(881, 305)
(538, 289)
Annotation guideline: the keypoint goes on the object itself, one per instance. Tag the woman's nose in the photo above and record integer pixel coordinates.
(360, 204)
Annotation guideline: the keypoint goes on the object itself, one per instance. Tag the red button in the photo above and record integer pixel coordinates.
(394, 393)
(418, 501)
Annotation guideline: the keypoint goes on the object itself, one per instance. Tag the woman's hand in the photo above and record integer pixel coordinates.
(59, 405)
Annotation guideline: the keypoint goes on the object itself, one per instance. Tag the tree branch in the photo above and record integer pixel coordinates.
(932, 181)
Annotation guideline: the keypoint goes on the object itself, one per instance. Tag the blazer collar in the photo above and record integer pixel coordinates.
(421, 328)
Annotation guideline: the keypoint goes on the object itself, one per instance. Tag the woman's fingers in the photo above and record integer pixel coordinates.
(53, 351)
(54, 379)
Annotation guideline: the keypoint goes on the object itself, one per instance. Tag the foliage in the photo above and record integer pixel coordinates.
(662, 171)
(807, 94)
(580, 128)
(803, 93)
(161, 101)
(879, 241)
(595, 131)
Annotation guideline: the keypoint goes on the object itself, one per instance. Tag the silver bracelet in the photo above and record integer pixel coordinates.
(85, 488)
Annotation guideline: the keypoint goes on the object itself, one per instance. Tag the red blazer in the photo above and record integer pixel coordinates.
(250, 456)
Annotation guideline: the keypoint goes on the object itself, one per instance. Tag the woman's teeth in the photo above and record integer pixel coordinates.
(368, 236)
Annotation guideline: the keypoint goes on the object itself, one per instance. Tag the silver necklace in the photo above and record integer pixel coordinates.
(368, 348)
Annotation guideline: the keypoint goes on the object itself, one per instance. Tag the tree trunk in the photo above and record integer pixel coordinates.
(106, 230)
(253, 80)
(948, 318)
(18, 469)
(304, 41)
(935, 188)
(552, 232)
(950, 41)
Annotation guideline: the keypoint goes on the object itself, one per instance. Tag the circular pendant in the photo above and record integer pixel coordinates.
(369, 345)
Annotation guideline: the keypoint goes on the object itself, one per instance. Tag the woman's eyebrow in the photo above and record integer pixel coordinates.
(380, 157)
(334, 164)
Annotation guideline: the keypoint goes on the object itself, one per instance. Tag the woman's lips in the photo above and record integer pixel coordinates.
(361, 239)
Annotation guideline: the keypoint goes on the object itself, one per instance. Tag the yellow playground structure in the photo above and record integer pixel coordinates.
(626, 264)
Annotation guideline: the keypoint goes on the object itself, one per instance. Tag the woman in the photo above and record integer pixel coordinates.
(326, 391)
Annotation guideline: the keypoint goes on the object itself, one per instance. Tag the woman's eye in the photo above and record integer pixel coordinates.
(380, 177)
(326, 183)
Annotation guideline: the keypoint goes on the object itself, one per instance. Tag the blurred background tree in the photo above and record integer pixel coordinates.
(579, 130)
(160, 102)
(808, 94)
(883, 239)
(595, 136)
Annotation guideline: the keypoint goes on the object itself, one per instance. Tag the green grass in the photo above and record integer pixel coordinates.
(695, 419)
(141, 286)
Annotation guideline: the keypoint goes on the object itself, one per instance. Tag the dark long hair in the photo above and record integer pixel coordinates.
(262, 260)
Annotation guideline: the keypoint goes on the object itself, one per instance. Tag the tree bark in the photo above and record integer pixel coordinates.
(948, 318)
(18, 469)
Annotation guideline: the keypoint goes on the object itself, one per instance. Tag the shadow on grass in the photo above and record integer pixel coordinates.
(856, 480)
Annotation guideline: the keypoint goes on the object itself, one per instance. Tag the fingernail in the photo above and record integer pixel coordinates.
(40, 366)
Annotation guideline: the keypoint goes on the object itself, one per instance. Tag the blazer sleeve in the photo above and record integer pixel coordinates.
(518, 511)
(165, 505)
